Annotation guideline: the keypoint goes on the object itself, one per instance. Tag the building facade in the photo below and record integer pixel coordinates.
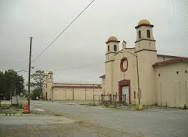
(143, 75)
(69, 91)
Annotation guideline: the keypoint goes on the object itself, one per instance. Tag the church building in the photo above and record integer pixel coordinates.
(141, 74)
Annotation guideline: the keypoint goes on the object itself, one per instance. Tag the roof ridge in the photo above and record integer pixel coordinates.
(171, 61)
(171, 56)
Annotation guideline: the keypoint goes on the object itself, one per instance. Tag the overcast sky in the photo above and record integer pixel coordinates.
(78, 55)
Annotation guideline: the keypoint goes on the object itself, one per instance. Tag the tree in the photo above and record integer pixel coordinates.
(36, 93)
(19, 85)
(37, 78)
(2, 85)
(11, 84)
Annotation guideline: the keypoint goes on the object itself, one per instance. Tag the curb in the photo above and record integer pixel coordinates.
(9, 114)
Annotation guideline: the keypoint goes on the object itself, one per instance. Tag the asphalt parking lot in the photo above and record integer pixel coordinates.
(65, 119)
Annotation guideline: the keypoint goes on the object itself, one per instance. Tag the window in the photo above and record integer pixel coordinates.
(124, 64)
(148, 33)
(115, 47)
(139, 34)
(108, 48)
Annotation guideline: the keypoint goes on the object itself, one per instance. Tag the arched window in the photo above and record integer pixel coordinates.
(139, 34)
(115, 47)
(148, 33)
(108, 48)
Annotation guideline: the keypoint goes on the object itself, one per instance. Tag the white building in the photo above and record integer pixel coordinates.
(143, 75)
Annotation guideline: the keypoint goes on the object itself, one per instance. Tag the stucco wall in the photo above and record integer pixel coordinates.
(61, 93)
(146, 75)
(130, 74)
(172, 85)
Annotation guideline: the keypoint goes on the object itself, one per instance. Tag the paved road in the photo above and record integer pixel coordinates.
(163, 123)
(72, 120)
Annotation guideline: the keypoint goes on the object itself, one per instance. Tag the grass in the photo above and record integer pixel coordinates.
(5, 106)
(92, 104)
(9, 109)
(83, 104)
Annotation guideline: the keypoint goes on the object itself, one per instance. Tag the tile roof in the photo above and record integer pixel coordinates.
(171, 61)
(76, 85)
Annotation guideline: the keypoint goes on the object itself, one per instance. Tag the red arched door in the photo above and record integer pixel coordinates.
(124, 88)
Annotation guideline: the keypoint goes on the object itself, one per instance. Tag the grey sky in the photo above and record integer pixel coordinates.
(78, 55)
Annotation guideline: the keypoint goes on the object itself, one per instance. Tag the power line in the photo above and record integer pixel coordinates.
(53, 41)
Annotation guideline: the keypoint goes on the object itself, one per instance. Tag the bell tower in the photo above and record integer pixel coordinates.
(144, 36)
(49, 84)
(146, 53)
(112, 44)
(112, 48)
(50, 77)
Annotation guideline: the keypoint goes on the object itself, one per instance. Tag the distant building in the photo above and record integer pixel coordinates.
(143, 75)
(69, 91)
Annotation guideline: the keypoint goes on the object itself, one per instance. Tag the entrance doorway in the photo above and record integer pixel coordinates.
(124, 92)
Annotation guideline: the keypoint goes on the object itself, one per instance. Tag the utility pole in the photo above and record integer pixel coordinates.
(29, 75)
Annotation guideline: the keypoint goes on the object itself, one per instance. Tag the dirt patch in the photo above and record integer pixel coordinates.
(77, 129)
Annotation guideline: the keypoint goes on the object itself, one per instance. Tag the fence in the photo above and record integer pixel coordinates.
(112, 99)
